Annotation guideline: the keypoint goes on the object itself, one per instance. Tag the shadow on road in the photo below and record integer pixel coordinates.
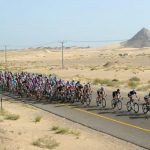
(140, 116)
(108, 112)
(97, 108)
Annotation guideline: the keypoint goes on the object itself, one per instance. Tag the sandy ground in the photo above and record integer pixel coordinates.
(110, 62)
(21, 133)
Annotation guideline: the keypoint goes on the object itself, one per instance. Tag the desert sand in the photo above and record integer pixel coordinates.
(21, 133)
(87, 65)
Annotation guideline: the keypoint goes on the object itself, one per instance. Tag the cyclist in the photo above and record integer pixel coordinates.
(101, 92)
(131, 94)
(89, 88)
(79, 90)
(147, 98)
(85, 89)
(116, 94)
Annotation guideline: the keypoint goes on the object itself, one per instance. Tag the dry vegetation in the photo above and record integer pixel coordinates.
(38, 119)
(46, 142)
(8, 116)
(60, 130)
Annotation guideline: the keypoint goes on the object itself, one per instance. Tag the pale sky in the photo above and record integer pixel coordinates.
(26, 23)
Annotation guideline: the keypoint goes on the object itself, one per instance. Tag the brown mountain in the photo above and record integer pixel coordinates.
(141, 39)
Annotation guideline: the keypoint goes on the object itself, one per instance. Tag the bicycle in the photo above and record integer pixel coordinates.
(86, 99)
(131, 105)
(117, 102)
(101, 101)
(145, 107)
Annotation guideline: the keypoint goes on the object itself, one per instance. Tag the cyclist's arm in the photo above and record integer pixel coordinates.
(120, 96)
(104, 93)
(136, 96)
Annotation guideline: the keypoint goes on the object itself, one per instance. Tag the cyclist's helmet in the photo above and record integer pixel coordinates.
(86, 85)
(102, 88)
(78, 82)
(118, 90)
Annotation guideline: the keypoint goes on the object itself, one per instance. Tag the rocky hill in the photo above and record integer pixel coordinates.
(141, 39)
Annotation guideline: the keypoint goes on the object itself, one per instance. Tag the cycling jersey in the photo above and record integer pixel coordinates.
(147, 99)
(100, 91)
(115, 93)
(131, 93)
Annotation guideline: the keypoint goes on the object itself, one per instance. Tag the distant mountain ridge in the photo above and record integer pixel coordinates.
(141, 39)
(68, 47)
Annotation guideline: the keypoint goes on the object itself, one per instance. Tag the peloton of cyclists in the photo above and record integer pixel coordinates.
(34, 84)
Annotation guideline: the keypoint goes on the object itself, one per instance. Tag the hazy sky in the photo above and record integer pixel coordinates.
(36, 22)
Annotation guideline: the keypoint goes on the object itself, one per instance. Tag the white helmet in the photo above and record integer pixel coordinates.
(102, 88)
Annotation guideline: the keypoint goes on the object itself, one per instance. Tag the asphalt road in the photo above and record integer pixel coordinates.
(131, 127)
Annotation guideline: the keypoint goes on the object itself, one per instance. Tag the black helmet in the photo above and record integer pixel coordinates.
(78, 82)
(118, 90)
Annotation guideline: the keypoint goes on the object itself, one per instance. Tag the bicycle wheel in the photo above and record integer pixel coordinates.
(103, 103)
(88, 101)
(129, 107)
(136, 107)
(119, 105)
(113, 104)
(82, 101)
(145, 108)
(97, 101)
(72, 100)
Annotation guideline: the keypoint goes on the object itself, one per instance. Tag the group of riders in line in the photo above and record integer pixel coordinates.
(38, 85)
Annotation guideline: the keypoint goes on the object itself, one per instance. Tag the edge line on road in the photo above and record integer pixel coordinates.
(110, 119)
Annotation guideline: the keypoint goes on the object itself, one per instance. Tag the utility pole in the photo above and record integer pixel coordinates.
(1, 99)
(62, 49)
(1, 103)
(5, 57)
